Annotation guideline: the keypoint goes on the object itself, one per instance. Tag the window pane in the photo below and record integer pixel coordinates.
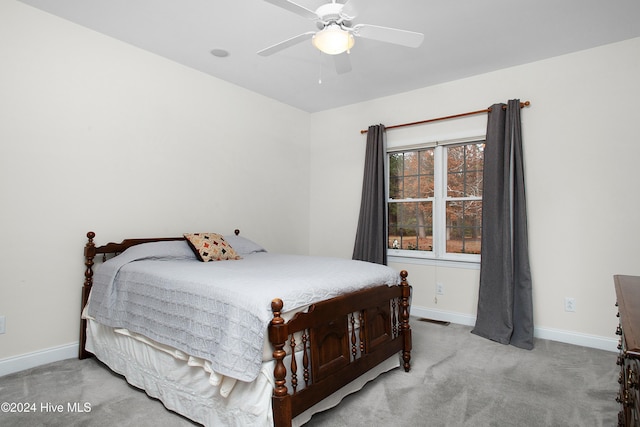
(411, 163)
(395, 164)
(426, 186)
(464, 227)
(411, 226)
(396, 176)
(411, 187)
(395, 187)
(426, 173)
(464, 170)
(411, 174)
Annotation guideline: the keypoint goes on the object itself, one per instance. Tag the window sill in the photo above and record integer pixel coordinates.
(442, 262)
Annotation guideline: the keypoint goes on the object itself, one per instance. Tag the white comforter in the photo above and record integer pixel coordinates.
(218, 311)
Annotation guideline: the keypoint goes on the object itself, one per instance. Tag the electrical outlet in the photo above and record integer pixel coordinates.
(439, 289)
(569, 304)
(3, 324)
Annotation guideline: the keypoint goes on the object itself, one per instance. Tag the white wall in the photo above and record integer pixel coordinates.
(581, 152)
(99, 135)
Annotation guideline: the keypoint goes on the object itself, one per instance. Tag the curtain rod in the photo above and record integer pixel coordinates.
(455, 116)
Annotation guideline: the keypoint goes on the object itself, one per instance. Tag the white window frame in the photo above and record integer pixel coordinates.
(437, 256)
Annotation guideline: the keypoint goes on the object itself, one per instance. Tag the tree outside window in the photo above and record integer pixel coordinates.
(435, 200)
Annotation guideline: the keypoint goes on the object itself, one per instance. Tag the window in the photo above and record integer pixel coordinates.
(435, 201)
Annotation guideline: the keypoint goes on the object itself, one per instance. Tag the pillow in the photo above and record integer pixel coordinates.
(163, 250)
(210, 247)
(243, 246)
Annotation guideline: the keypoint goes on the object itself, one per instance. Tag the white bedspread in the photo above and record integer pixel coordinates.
(188, 386)
(218, 311)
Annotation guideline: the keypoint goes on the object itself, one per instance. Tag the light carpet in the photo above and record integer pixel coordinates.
(457, 379)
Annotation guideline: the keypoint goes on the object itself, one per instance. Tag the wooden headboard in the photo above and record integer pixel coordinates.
(90, 252)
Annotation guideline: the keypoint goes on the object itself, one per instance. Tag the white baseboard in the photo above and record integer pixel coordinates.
(37, 358)
(445, 316)
(68, 351)
(569, 337)
(577, 338)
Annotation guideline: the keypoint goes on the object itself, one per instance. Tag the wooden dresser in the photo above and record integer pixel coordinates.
(628, 302)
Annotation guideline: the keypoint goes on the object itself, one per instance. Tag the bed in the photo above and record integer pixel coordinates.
(212, 355)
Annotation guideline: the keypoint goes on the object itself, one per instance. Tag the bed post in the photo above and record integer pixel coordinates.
(89, 254)
(281, 400)
(404, 319)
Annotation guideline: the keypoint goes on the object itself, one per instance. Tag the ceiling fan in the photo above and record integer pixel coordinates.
(337, 33)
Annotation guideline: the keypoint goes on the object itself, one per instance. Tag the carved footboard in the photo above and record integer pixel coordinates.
(334, 342)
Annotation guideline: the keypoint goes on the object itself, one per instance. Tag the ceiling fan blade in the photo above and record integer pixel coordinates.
(353, 8)
(295, 8)
(285, 44)
(389, 35)
(342, 63)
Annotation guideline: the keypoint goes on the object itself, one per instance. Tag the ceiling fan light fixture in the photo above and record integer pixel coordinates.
(333, 40)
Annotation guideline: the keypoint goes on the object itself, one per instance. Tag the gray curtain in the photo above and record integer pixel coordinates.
(371, 235)
(505, 307)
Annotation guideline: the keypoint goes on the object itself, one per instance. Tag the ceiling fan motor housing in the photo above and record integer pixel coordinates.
(331, 13)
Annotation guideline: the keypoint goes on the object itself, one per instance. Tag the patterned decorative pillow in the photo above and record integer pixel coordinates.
(210, 247)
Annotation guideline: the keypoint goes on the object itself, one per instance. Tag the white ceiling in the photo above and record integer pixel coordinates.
(462, 38)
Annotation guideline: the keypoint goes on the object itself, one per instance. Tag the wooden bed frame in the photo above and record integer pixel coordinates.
(334, 351)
